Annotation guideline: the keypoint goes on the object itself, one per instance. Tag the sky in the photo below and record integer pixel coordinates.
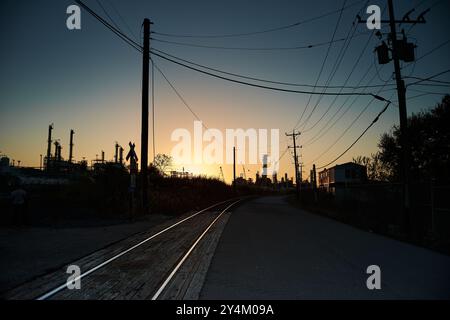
(90, 81)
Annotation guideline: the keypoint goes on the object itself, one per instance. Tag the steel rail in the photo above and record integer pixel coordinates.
(64, 286)
(180, 263)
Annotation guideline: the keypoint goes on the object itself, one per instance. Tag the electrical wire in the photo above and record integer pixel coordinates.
(123, 20)
(310, 46)
(345, 82)
(348, 128)
(260, 79)
(179, 95)
(326, 128)
(288, 26)
(419, 82)
(116, 31)
(357, 139)
(334, 70)
(322, 66)
(262, 86)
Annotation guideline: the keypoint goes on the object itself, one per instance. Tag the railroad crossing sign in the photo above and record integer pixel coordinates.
(133, 166)
(133, 159)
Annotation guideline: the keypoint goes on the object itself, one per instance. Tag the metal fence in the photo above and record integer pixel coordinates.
(379, 207)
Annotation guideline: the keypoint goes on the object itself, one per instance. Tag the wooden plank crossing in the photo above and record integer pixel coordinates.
(139, 273)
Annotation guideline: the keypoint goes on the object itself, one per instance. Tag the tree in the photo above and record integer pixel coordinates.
(429, 139)
(376, 170)
(162, 162)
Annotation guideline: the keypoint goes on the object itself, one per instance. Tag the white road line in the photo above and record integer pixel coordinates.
(64, 286)
(166, 282)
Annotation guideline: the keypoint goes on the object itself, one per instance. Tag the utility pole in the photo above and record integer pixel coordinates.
(144, 123)
(314, 182)
(234, 168)
(71, 146)
(401, 50)
(294, 135)
(49, 145)
(401, 93)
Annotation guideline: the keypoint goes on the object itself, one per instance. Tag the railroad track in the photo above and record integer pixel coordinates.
(143, 267)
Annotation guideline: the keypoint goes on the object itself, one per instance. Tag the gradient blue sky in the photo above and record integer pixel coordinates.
(90, 80)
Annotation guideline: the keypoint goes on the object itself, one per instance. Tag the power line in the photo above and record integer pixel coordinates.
(119, 33)
(107, 14)
(321, 132)
(288, 26)
(123, 20)
(179, 96)
(334, 70)
(322, 66)
(264, 87)
(362, 134)
(260, 79)
(429, 92)
(348, 128)
(346, 80)
(435, 81)
(428, 78)
(310, 46)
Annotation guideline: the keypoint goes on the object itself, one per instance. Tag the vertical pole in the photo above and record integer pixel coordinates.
(153, 111)
(297, 185)
(49, 145)
(234, 168)
(144, 123)
(103, 156)
(40, 162)
(314, 181)
(403, 118)
(71, 146)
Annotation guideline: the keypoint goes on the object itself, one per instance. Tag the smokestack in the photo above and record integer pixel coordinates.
(103, 156)
(121, 155)
(49, 145)
(71, 146)
(116, 155)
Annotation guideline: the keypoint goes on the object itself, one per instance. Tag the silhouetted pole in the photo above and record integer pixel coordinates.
(103, 156)
(314, 182)
(297, 182)
(121, 155)
(71, 146)
(234, 168)
(401, 92)
(40, 162)
(144, 128)
(49, 145)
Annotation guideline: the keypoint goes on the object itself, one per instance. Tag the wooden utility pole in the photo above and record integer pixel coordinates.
(401, 50)
(144, 123)
(294, 135)
(314, 182)
(401, 93)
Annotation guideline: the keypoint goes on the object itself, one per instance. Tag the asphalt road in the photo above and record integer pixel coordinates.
(271, 250)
